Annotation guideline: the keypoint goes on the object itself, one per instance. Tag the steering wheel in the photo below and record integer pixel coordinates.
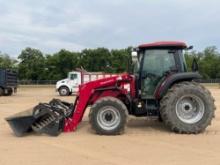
(151, 75)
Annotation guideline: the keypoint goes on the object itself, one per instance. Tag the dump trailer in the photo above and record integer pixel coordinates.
(159, 86)
(8, 82)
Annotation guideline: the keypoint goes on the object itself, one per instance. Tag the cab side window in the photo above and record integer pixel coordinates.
(73, 76)
(156, 63)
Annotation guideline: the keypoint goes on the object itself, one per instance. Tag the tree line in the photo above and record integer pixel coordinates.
(32, 64)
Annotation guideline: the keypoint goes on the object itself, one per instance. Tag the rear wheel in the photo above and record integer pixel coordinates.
(187, 107)
(64, 91)
(1, 91)
(9, 92)
(108, 116)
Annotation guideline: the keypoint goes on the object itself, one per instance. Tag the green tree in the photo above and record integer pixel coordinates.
(7, 62)
(35, 66)
(96, 60)
(59, 64)
(210, 63)
(120, 59)
(208, 60)
(32, 64)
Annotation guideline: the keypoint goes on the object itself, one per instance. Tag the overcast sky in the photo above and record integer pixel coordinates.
(76, 24)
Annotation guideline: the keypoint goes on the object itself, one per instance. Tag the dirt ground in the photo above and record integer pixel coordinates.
(144, 142)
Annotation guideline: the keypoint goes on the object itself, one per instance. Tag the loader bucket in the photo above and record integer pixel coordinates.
(44, 118)
(21, 122)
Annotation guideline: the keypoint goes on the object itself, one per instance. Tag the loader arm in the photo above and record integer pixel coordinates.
(92, 91)
(59, 116)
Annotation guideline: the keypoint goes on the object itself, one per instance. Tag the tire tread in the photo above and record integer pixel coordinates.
(165, 107)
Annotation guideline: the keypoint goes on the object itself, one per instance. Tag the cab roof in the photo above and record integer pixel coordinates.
(163, 44)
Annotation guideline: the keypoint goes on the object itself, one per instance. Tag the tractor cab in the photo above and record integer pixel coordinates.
(154, 62)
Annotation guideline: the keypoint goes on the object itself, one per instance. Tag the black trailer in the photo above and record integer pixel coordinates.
(8, 82)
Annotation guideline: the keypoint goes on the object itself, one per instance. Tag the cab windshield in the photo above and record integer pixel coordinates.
(158, 61)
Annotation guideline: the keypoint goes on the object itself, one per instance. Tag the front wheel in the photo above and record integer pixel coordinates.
(108, 116)
(64, 91)
(187, 107)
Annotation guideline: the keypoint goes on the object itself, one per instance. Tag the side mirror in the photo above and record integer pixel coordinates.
(195, 66)
(134, 56)
(189, 48)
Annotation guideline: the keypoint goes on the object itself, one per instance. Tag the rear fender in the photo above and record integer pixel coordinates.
(173, 79)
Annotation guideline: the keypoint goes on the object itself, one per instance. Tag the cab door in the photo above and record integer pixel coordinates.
(73, 81)
(155, 64)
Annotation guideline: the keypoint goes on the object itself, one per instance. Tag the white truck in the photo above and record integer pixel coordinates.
(70, 85)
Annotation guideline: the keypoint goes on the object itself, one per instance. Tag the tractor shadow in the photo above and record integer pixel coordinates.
(138, 125)
(146, 124)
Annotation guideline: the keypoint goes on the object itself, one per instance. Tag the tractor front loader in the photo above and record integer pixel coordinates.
(159, 86)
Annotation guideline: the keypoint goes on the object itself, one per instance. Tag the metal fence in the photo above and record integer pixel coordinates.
(37, 82)
(53, 82)
(208, 80)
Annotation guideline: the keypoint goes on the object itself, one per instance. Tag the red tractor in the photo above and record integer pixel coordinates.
(159, 86)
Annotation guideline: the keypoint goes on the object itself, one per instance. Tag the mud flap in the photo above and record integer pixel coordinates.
(44, 118)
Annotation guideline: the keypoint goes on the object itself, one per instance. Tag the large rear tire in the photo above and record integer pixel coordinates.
(108, 116)
(188, 107)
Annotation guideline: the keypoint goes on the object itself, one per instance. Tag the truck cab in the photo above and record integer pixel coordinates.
(70, 84)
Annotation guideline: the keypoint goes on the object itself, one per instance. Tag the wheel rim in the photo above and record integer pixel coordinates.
(190, 109)
(108, 118)
(63, 91)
